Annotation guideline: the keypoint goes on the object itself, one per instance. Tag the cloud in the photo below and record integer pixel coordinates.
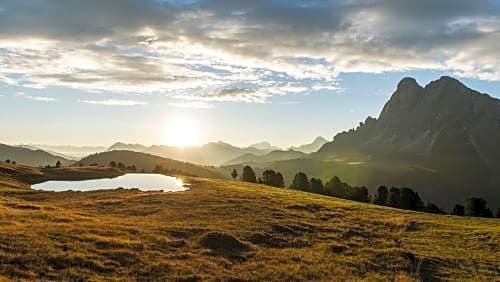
(193, 104)
(113, 102)
(243, 51)
(40, 98)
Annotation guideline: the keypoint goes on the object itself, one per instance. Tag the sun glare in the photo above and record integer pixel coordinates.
(181, 132)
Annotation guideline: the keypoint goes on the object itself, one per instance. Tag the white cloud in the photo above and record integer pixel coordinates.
(39, 98)
(193, 104)
(114, 102)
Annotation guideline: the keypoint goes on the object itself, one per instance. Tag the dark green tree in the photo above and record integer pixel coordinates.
(7, 161)
(394, 197)
(112, 164)
(433, 208)
(410, 200)
(477, 207)
(268, 177)
(382, 196)
(317, 186)
(248, 175)
(359, 194)
(300, 182)
(234, 174)
(279, 180)
(458, 210)
(336, 188)
(58, 164)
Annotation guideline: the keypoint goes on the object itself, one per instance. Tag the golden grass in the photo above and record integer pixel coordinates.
(265, 233)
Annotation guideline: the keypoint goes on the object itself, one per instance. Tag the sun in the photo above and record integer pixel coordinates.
(181, 132)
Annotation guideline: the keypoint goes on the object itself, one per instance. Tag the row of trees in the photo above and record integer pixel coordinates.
(9, 161)
(269, 177)
(402, 198)
(122, 166)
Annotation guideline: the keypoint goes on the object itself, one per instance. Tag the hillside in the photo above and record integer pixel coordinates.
(148, 162)
(212, 153)
(277, 155)
(29, 156)
(440, 140)
(234, 231)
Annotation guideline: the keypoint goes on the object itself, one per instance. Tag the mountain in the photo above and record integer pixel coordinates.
(277, 155)
(441, 140)
(66, 151)
(30, 157)
(148, 162)
(265, 145)
(128, 147)
(312, 147)
(213, 153)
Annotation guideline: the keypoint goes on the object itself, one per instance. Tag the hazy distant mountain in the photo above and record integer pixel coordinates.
(277, 155)
(312, 147)
(213, 153)
(442, 140)
(30, 157)
(66, 151)
(265, 145)
(147, 162)
(129, 147)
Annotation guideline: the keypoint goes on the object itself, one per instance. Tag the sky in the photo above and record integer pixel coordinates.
(96, 72)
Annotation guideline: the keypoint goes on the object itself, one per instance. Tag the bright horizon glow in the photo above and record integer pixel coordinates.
(181, 131)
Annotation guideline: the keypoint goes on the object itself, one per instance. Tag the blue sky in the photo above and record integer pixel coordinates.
(96, 72)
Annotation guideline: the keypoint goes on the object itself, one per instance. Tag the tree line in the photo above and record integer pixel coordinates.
(397, 197)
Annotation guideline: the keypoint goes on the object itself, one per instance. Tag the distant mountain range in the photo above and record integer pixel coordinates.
(276, 155)
(312, 147)
(443, 140)
(66, 151)
(218, 153)
(148, 162)
(28, 156)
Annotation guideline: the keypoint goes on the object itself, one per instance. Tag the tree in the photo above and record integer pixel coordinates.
(7, 161)
(248, 175)
(272, 178)
(58, 164)
(432, 208)
(234, 174)
(477, 207)
(382, 195)
(279, 180)
(112, 164)
(336, 188)
(121, 166)
(317, 186)
(458, 210)
(300, 182)
(410, 200)
(13, 162)
(498, 213)
(394, 197)
(157, 168)
(359, 194)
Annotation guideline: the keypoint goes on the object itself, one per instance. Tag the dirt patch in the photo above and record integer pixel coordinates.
(22, 206)
(337, 248)
(271, 241)
(224, 243)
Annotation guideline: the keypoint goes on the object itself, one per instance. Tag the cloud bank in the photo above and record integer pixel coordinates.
(200, 52)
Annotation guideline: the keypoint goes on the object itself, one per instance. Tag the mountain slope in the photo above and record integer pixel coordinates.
(312, 147)
(441, 139)
(30, 157)
(148, 163)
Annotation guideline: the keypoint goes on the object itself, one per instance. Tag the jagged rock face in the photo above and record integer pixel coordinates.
(443, 120)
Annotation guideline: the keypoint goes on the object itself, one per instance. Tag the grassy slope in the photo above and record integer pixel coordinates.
(148, 162)
(125, 234)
